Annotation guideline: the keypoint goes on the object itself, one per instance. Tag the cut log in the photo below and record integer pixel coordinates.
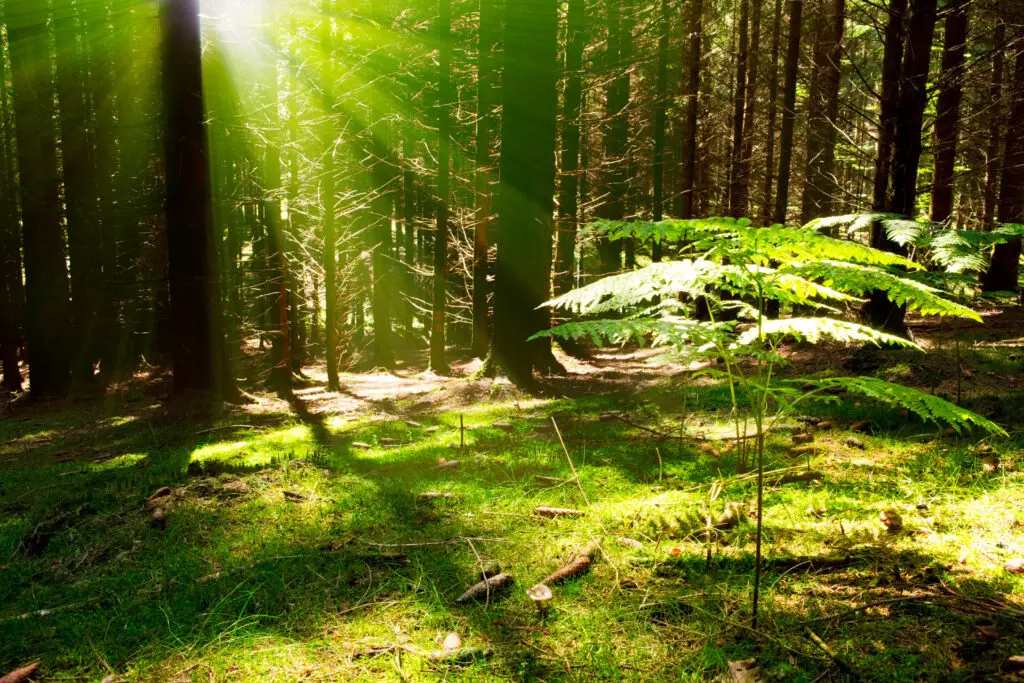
(413, 425)
(361, 446)
(552, 513)
(802, 438)
(22, 674)
(862, 426)
(824, 425)
(387, 442)
(803, 450)
(854, 442)
(507, 427)
(490, 586)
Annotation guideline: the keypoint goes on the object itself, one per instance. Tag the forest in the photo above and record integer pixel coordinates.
(491, 340)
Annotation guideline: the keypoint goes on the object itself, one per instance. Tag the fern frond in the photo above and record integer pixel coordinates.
(816, 329)
(667, 331)
(859, 280)
(927, 407)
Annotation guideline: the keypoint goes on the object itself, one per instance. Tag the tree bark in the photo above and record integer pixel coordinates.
(792, 67)
(773, 100)
(199, 363)
(527, 187)
(993, 157)
(329, 256)
(438, 362)
(736, 186)
(46, 277)
(616, 136)
(753, 64)
(821, 187)
(79, 194)
(484, 173)
(912, 103)
(660, 122)
(948, 111)
(1002, 275)
(691, 94)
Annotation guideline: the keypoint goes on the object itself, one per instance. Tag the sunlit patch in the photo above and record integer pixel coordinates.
(293, 442)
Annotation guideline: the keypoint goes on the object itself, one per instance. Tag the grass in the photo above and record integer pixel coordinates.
(247, 584)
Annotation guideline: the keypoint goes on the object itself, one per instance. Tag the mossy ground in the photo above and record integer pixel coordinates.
(245, 583)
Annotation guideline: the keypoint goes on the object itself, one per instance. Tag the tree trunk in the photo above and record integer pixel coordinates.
(947, 118)
(691, 94)
(660, 122)
(438, 362)
(616, 136)
(753, 63)
(79, 194)
(736, 185)
(792, 67)
(912, 103)
(913, 98)
(1002, 275)
(821, 188)
(569, 190)
(773, 100)
(381, 206)
(993, 159)
(330, 250)
(199, 341)
(46, 278)
(526, 192)
(484, 173)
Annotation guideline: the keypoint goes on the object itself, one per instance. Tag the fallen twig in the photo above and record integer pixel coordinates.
(840, 662)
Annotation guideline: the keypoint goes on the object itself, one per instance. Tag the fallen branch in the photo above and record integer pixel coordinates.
(552, 513)
(577, 566)
(840, 662)
(486, 588)
(797, 478)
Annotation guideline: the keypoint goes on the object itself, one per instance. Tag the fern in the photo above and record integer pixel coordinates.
(927, 407)
(817, 329)
(859, 280)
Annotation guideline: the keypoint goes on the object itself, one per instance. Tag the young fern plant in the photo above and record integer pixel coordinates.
(737, 270)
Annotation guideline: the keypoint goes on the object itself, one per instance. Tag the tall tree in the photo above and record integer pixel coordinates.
(742, 195)
(80, 197)
(889, 98)
(821, 186)
(569, 189)
(616, 134)
(906, 155)
(736, 186)
(438, 362)
(329, 255)
(484, 172)
(993, 159)
(948, 110)
(691, 94)
(773, 99)
(199, 353)
(660, 122)
(791, 69)
(1002, 275)
(11, 286)
(46, 277)
(527, 186)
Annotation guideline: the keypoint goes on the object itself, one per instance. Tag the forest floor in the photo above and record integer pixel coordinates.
(290, 540)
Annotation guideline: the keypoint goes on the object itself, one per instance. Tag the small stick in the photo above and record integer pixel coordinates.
(840, 662)
(571, 466)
